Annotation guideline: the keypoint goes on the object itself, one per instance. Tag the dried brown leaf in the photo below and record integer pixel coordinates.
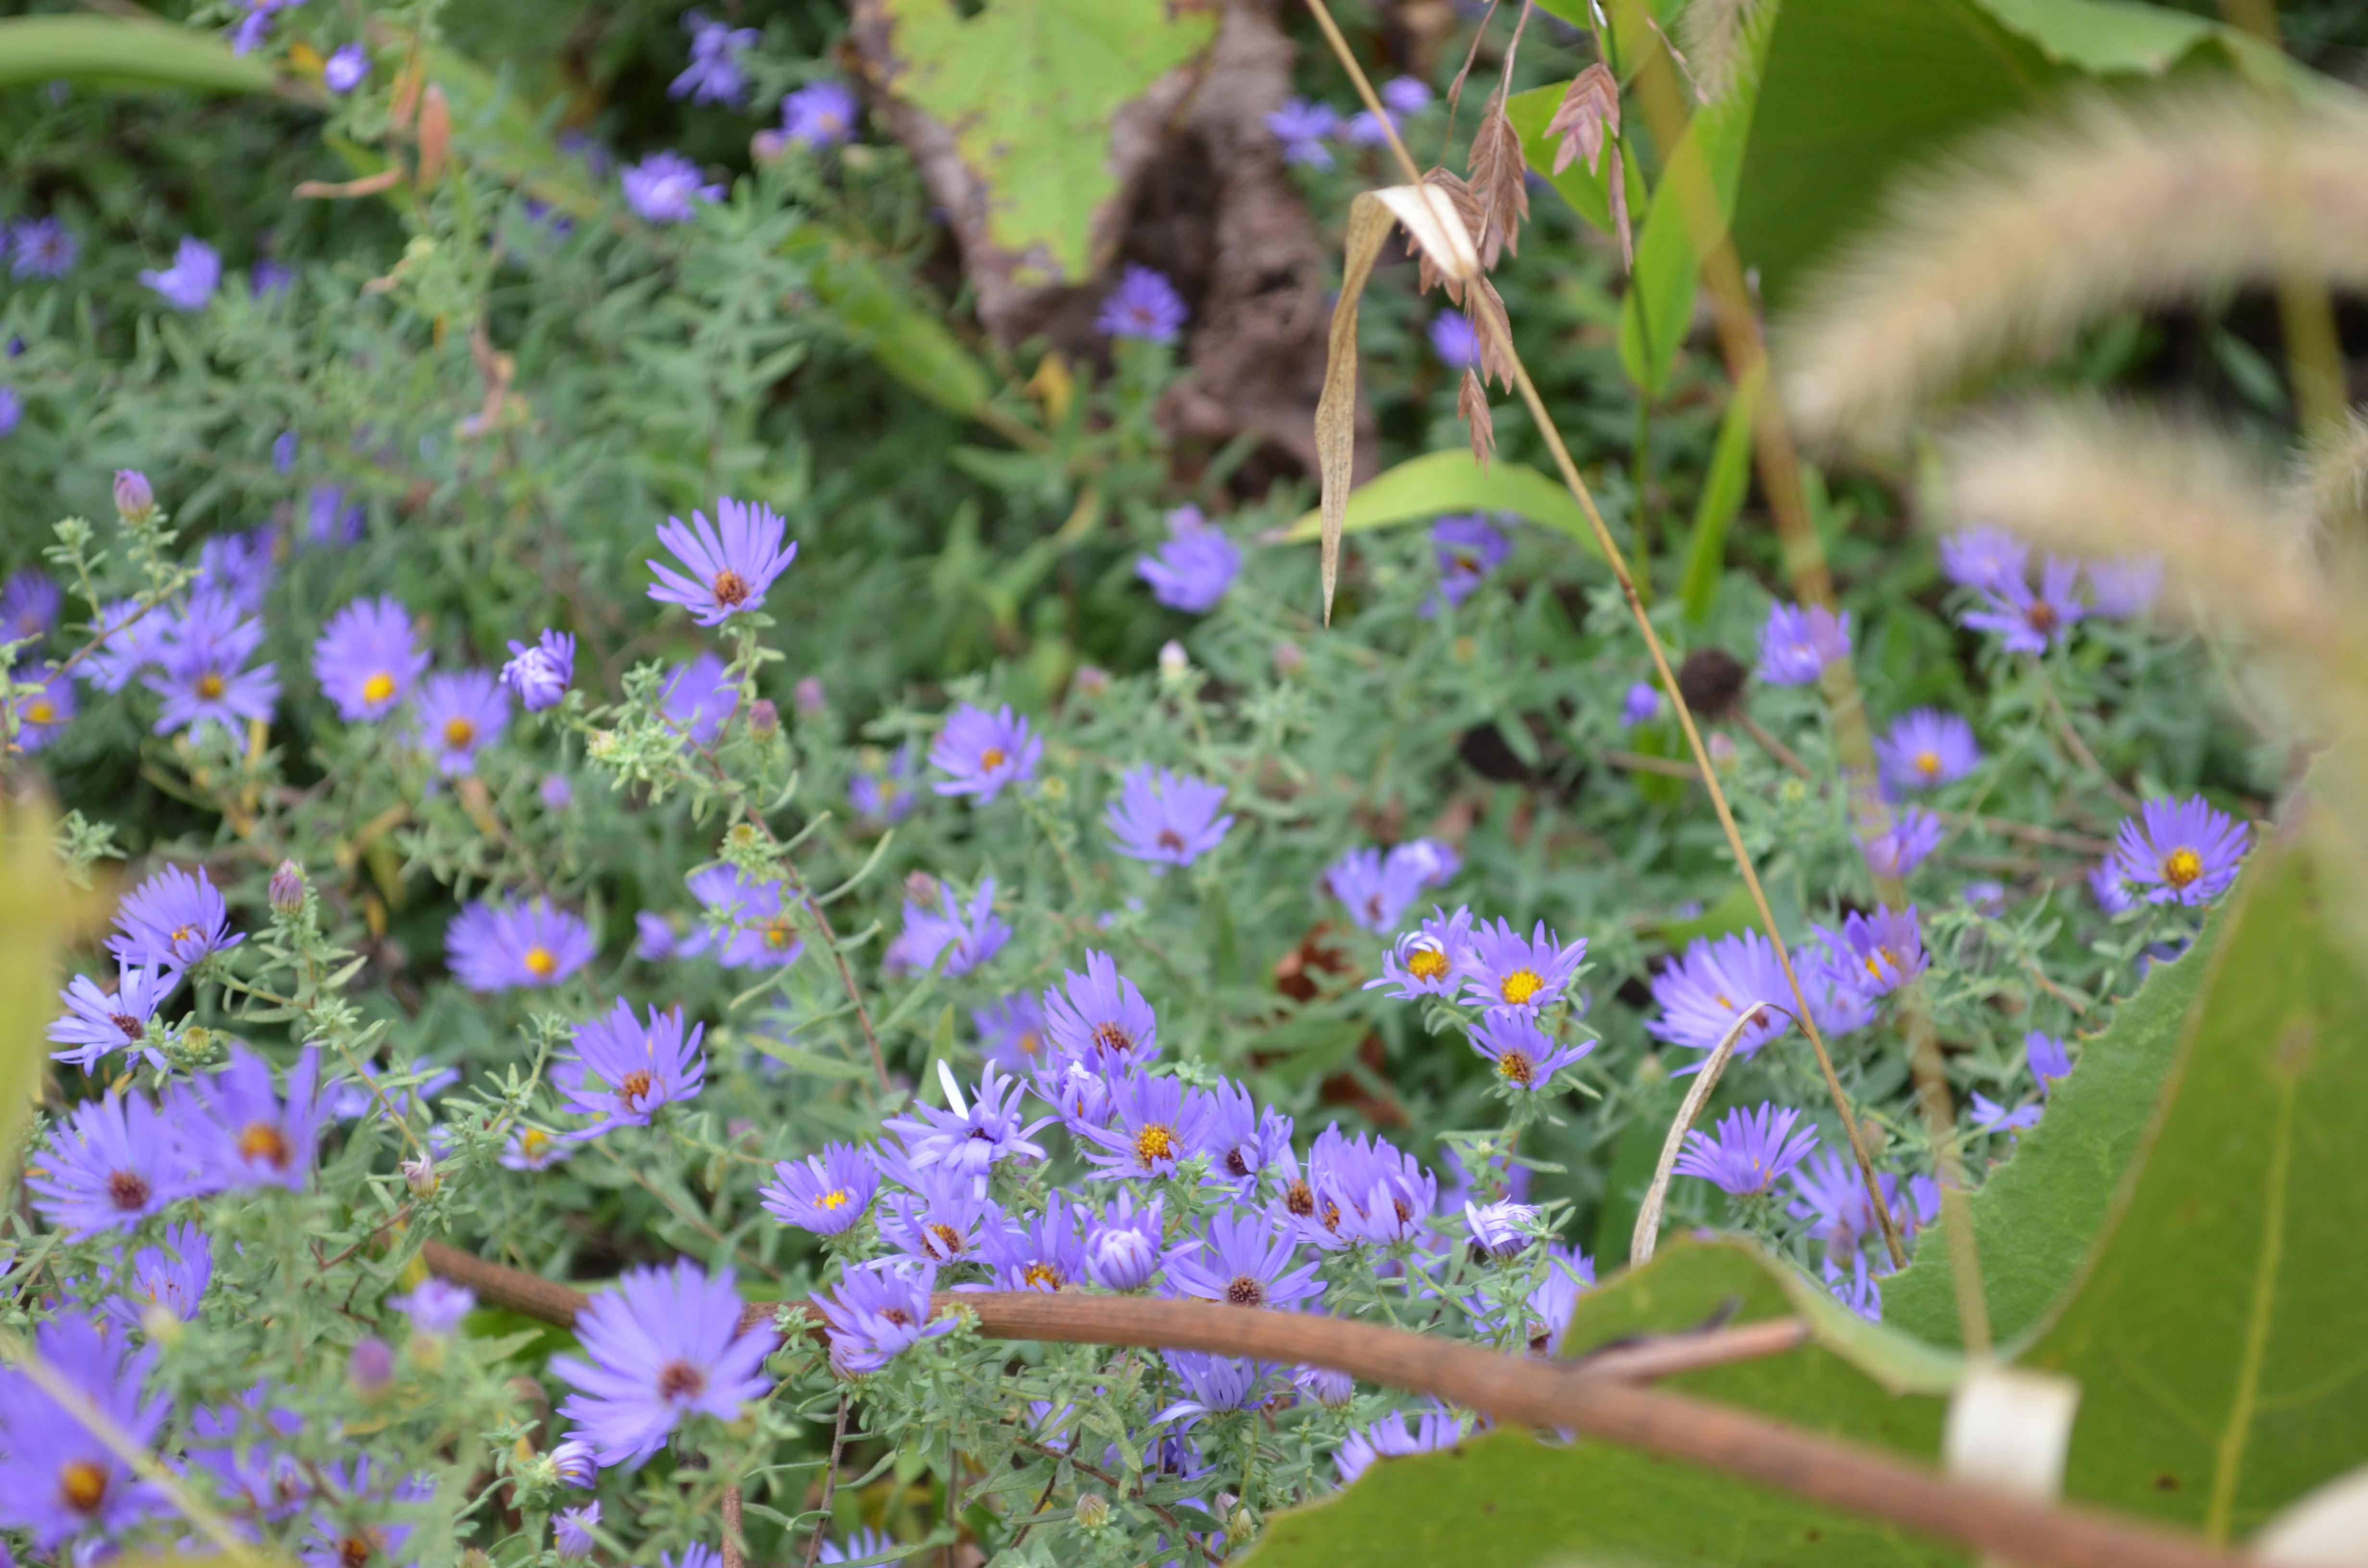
(1498, 183)
(1495, 328)
(1472, 407)
(435, 134)
(1467, 207)
(1588, 115)
(1617, 188)
(1336, 411)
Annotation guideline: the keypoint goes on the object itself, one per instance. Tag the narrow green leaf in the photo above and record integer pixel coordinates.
(1724, 487)
(1451, 481)
(34, 50)
(880, 315)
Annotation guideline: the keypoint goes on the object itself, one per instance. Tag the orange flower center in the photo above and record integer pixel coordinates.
(209, 686)
(540, 961)
(458, 732)
(633, 1086)
(1041, 1276)
(82, 1485)
(262, 1141)
(1928, 763)
(730, 588)
(992, 758)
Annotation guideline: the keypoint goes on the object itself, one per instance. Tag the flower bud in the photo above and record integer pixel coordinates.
(1722, 752)
(1240, 1526)
(1121, 1259)
(135, 499)
(1290, 659)
(766, 145)
(288, 888)
(1093, 1513)
(1091, 680)
(574, 1461)
(1328, 1388)
(602, 745)
(370, 1367)
(557, 793)
(812, 697)
(419, 1176)
(923, 889)
(1173, 661)
(764, 719)
(161, 1323)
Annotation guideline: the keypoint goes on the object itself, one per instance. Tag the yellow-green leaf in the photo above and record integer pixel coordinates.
(119, 49)
(1451, 481)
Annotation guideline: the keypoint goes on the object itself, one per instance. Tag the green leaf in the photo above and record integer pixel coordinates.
(879, 315)
(1031, 89)
(2215, 1335)
(1451, 481)
(1514, 1501)
(2036, 1218)
(1724, 488)
(35, 50)
(1660, 300)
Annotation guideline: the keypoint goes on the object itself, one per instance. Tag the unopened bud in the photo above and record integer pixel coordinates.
(419, 1175)
(603, 745)
(1174, 661)
(558, 794)
(764, 719)
(370, 1367)
(1093, 1513)
(161, 1323)
(574, 1461)
(1240, 1524)
(1290, 659)
(812, 697)
(475, 1558)
(288, 888)
(766, 145)
(1091, 680)
(135, 499)
(1722, 752)
(922, 889)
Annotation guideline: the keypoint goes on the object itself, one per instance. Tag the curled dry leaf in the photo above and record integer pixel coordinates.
(1472, 407)
(1587, 116)
(1499, 187)
(1336, 411)
(1441, 216)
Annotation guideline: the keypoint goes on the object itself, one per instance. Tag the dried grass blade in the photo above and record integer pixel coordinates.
(1647, 1234)
(1472, 407)
(1336, 410)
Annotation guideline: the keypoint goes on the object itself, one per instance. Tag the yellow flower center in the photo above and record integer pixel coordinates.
(633, 1086)
(835, 1199)
(1154, 1142)
(1515, 1068)
(540, 961)
(209, 686)
(262, 1141)
(378, 687)
(1519, 986)
(533, 1142)
(1111, 1036)
(1928, 763)
(82, 1485)
(991, 758)
(778, 934)
(948, 1237)
(458, 732)
(1028, 1043)
(2181, 866)
(40, 710)
(1427, 964)
(1041, 1276)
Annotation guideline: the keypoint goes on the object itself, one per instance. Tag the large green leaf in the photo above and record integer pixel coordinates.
(1854, 90)
(1512, 1502)
(2037, 1217)
(1452, 481)
(119, 49)
(1031, 89)
(2216, 1334)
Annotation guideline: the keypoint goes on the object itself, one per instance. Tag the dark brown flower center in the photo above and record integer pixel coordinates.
(2042, 616)
(730, 588)
(356, 1550)
(1111, 1036)
(1300, 1198)
(633, 1084)
(1245, 1291)
(127, 1190)
(1514, 1067)
(948, 1237)
(133, 1029)
(1171, 840)
(1236, 1164)
(680, 1380)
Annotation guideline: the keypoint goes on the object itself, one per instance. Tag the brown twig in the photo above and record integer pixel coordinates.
(2079, 842)
(1517, 1389)
(1773, 746)
(735, 1545)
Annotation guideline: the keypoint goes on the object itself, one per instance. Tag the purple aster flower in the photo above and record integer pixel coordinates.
(1882, 954)
(2048, 1059)
(533, 1149)
(57, 1479)
(733, 561)
(714, 76)
(270, 278)
(577, 1464)
(1569, 1275)
(540, 676)
(967, 936)
(327, 518)
(202, 680)
(623, 1069)
(1899, 848)
(238, 568)
(664, 186)
(1243, 1259)
(1379, 888)
(1855, 1288)
(1042, 1254)
(984, 751)
(1011, 1033)
(345, 69)
(1428, 961)
(284, 448)
(1832, 1197)
(2029, 621)
(2125, 587)
(2180, 851)
(171, 1279)
(571, 1530)
(1079, 1093)
(111, 1163)
(459, 713)
(862, 1545)
(1524, 1055)
(12, 410)
(190, 281)
(42, 248)
(1455, 340)
(970, 1138)
(1989, 1116)
(886, 794)
(821, 114)
(1194, 568)
(1145, 305)
(824, 1193)
(941, 1216)
(1433, 1431)
(1642, 703)
(255, 26)
(2112, 895)
(1103, 1021)
(1501, 1231)
(366, 1096)
(1986, 898)
(759, 932)
(1984, 557)
(496, 947)
(1156, 1125)
(1364, 1190)
(1300, 127)
(665, 1345)
(1927, 747)
(1752, 1150)
(1501, 968)
(698, 698)
(366, 660)
(43, 713)
(1468, 548)
(1332, 1390)
(172, 919)
(243, 1132)
(878, 1311)
(1831, 978)
(1716, 982)
(1122, 1247)
(1242, 1141)
(1799, 641)
(436, 1307)
(99, 1022)
(29, 606)
(557, 794)
(1166, 817)
(1212, 1384)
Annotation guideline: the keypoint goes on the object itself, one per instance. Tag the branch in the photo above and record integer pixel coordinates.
(1519, 1391)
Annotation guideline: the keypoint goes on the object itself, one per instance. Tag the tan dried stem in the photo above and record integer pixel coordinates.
(2003, 251)
(1496, 333)
(1648, 1234)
